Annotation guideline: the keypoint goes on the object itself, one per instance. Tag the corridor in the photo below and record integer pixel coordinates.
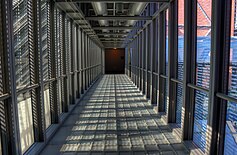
(114, 118)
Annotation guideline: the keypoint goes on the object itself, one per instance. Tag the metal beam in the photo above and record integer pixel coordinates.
(116, 28)
(119, 18)
(219, 64)
(118, 34)
(189, 74)
(112, 1)
(112, 38)
(112, 41)
(172, 59)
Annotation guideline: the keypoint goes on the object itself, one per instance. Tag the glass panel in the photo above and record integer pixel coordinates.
(60, 99)
(180, 61)
(47, 106)
(167, 42)
(179, 103)
(21, 38)
(166, 98)
(200, 119)
(202, 71)
(180, 39)
(25, 121)
(203, 42)
(230, 146)
(44, 39)
(232, 91)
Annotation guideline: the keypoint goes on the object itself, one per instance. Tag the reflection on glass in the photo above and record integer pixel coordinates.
(180, 63)
(47, 107)
(166, 98)
(202, 71)
(200, 119)
(179, 100)
(203, 42)
(20, 42)
(167, 42)
(230, 146)
(231, 129)
(25, 121)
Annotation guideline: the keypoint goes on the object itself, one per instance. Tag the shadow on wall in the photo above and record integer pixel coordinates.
(114, 61)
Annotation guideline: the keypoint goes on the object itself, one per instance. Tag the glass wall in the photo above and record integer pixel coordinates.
(166, 98)
(230, 146)
(180, 61)
(32, 57)
(202, 71)
(21, 28)
(45, 59)
(194, 101)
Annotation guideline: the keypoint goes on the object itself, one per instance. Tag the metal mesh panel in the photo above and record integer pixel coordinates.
(21, 26)
(1, 51)
(44, 38)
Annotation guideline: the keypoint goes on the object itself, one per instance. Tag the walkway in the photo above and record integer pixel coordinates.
(114, 118)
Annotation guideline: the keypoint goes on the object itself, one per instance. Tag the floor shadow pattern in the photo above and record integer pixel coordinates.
(114, 118)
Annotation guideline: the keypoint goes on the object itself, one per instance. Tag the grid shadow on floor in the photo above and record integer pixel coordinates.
(114, 118)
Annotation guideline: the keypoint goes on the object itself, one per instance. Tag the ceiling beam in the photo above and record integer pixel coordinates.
(116, 28)
(112, 38)
(119, 18)
(113, 1)
(111, 41)
(117, 34)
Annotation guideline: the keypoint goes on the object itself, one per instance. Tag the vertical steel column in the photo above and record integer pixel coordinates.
(135, 60)
(82, 62)
(154, 65)
(172, 59)
(52, 66)
(9, 128)
(89, 61)
(85, 57)
(72, 71)
(36, 73)
(147, 60)
(220, 47)
(144, 61)
(77, 69)
(80, 59)
(88, 64)
(145, 42)
(161, 60)
(64, 66)
(140, 61)
(136, 47)
(138, 70)
(190, 20)
(152, 42)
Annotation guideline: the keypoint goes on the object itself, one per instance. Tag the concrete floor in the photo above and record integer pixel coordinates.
(114, 118)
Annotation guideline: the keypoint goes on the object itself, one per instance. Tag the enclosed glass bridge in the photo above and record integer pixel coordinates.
(110, 77)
